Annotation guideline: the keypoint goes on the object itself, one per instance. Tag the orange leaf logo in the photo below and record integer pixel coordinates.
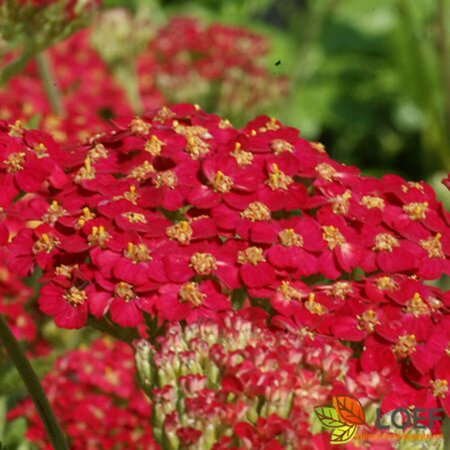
(349, 410)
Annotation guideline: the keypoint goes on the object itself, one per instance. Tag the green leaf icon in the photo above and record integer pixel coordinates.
(343, 434)
(328, 416)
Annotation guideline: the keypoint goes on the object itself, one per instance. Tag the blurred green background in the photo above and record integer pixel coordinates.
(370, 78)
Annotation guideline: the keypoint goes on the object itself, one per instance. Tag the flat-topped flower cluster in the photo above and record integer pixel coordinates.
(178, 217)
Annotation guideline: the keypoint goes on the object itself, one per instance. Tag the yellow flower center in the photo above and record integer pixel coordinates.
(271, 125)
(280, 145)
(314, 307)
(416, 211)
(46, 243)
(196, 147)
(278, 179)
(163, 114)
(242, 157)
(385, 242)
(75, 297)
(439, 388)
(165, 179)
(124, 291)
(137, 252)
(87, 172)
(154, 146)
(15, 162)
(326, 171)
(332, 236)
(417, 306)
(203, 263)
(224, 124)
(190, 130)
(85, 217)
(251, 255)
(221, 183)
(256, 212)
(131, 195)
(405, 346)
(40, 150)
(433, 246)
(66, 270)
(371, 202)
(134, 217)
(97, 152)
(318, 146)
(367, 321)
(54, 212)
(341, 290)
(341, 203)
(289, 292)
(289, 238)
(138, 126)
(16, 129)
(142, 171)
(98, 236)
(181, 232)
(386, 284)
(191, 293)
(412, 185)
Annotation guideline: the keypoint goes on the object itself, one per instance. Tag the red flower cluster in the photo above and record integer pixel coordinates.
(183, 61)
(238, 385)
(401, 324)
(178, 216)
(89, 93)
(220, 66)
(96, 399)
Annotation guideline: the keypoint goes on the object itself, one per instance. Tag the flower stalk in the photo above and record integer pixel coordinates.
(49, 83)
(31, 381)
(14, 67)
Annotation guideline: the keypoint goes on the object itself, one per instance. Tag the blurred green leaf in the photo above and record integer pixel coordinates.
(10, 381)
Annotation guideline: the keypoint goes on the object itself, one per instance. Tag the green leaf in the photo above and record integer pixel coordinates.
(10, 381)
(14, 437)
(343, 434)
(328, 416)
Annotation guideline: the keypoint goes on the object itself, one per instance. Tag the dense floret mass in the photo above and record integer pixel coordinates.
(177, 217)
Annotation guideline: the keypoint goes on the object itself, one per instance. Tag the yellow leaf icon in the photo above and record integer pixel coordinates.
(343, 434)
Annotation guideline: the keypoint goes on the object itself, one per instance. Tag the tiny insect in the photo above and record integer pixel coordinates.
(278, 62)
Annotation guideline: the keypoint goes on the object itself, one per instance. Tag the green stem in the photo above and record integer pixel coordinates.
(126, 75)
(34, 388)
(443, 17)
(3, 410)
(14, 67)
(50, 85)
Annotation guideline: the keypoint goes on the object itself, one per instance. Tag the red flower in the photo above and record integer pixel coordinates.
(190, 301)
(386, 251)
(67, 305)
(122, 300)
(342, 253)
